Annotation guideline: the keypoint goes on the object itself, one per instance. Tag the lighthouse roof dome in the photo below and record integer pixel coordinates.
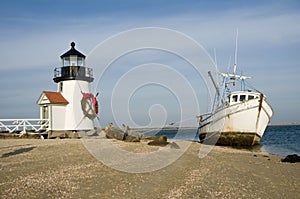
(72, 51)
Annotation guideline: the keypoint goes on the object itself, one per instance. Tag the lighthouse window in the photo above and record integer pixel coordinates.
(79, 61)
(66, 61)
(60, 87)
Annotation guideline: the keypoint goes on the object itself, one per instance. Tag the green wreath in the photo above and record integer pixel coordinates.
(85, 109)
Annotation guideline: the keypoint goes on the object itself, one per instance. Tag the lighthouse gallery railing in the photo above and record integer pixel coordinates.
(73, 71)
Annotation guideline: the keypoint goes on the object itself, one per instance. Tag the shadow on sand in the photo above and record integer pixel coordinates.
(16, 152)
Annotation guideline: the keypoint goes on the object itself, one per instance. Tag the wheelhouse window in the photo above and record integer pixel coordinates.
(242, 98)
(250, 97)
(234, 98)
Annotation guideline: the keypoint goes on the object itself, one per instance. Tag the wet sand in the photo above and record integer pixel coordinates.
(32, 168)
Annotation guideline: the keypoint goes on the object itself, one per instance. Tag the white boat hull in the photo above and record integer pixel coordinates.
(241, 124)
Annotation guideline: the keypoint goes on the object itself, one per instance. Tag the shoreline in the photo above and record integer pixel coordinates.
(283, 124)
(259, 148)
(64, 168)
(195, 127)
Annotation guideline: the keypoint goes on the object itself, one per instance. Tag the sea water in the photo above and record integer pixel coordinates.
(281, 140)
(278, 140)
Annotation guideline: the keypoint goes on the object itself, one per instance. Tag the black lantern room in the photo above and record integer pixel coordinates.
(73, 67)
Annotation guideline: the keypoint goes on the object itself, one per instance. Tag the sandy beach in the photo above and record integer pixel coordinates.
(63, 168)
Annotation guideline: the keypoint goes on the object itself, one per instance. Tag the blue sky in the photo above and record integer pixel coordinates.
(33, 34)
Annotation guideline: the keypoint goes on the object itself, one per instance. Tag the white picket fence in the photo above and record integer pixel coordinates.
(16, 125)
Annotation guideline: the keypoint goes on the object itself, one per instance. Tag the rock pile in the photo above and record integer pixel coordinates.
(124, 135)
(291, 158)
(129, 135)
(159, 141)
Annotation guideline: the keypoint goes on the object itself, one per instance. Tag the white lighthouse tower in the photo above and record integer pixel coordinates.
(73, 107)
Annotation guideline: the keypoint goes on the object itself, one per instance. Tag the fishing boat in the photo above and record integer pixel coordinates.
(239, 116)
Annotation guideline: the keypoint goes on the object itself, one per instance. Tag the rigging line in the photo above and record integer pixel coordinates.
(174, 127)
(251, 86)
(80, 122)
(98, 119)
(83, 119)
(78, 82)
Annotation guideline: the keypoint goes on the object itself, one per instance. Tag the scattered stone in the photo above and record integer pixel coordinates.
(124, 135)
(291, 158)
(130, 138)
(62, 134)
(129, 135)
(135, 140)
(136, 134)
(153, 137)
(115, 133)
(161, 141)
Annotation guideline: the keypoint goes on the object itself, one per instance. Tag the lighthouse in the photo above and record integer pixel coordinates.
(73, 107)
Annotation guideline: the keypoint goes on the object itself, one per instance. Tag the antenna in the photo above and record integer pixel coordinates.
(235, 54)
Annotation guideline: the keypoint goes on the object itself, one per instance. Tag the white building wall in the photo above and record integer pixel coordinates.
(74, 117)
(57, 113)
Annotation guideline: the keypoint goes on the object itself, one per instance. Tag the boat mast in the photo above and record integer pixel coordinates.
(241, 77)
(217, 96)
(235, 53)
(214, 83)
